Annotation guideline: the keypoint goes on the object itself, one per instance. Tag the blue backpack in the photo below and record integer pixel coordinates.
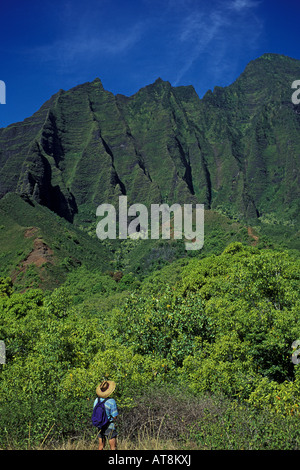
(99, 416)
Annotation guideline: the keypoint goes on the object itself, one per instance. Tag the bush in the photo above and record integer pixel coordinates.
(211, 422)
(223, 327)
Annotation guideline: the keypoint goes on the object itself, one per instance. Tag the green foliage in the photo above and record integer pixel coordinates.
(164, 324)
(55, 359)
(222, 324)
(230, 425)
(5, 287)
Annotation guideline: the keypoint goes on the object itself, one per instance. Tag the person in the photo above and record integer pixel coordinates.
(105, 390)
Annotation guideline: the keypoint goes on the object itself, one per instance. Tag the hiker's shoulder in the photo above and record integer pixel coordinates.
(111, 401)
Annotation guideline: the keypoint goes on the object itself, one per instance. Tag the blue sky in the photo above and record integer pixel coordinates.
(46, 45)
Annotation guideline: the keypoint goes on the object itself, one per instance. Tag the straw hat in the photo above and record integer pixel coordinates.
(105, 388)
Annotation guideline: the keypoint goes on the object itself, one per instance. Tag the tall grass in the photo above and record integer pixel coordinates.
(165, 420)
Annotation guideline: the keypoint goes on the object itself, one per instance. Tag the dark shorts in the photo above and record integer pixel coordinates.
(107, 433)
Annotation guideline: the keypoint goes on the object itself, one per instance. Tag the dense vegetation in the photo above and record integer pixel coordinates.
(199, 342)
(221, 326)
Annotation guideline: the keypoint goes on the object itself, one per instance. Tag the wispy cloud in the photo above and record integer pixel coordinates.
(70, 51)
(87, 37)
(180, 40)
(242, 5)
(220, 31)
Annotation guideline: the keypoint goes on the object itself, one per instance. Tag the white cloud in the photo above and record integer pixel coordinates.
(218, 30)
(241, 5)
(87, 37)
(83, 47)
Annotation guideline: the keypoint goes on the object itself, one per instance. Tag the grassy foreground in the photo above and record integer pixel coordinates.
(162, 420)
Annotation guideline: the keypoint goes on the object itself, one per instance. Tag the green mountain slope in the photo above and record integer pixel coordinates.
(39, 249)
(261, 133)
(236, 150)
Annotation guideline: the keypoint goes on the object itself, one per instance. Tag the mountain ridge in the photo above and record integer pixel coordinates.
(236, 150)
